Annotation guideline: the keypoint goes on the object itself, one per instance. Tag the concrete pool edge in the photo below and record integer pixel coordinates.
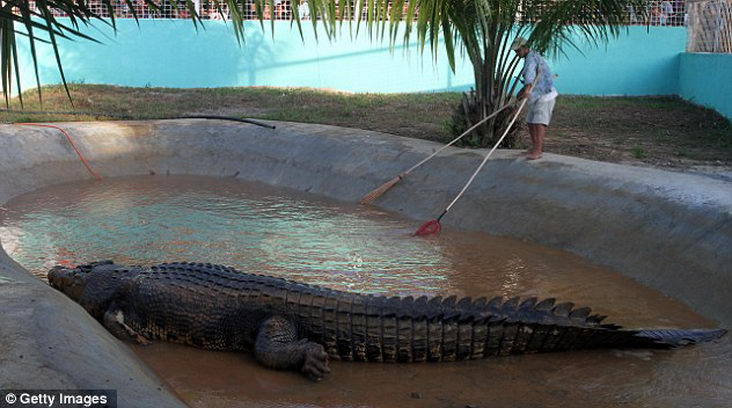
(49, 343)
(667, 230)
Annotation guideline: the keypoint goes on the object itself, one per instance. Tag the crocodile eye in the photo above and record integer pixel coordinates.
(77, 280)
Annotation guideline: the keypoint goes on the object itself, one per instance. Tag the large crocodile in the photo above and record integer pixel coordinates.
(291, 325)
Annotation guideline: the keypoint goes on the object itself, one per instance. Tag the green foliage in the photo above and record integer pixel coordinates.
(639, 153)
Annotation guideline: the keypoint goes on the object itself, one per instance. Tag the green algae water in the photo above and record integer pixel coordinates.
(261, 229)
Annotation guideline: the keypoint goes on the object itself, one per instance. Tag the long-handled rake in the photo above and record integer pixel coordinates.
(373, 195)
(433, 226)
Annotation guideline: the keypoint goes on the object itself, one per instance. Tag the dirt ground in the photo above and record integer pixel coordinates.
(664, 132)
(658, 131)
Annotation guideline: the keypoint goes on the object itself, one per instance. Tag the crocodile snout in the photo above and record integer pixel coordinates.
(68, 281)
(57, 276)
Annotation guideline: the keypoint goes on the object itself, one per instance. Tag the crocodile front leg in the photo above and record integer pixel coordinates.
(277, 346)
(114, 321)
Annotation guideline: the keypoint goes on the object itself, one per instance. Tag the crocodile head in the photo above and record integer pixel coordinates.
(69, 281)
(74, 281)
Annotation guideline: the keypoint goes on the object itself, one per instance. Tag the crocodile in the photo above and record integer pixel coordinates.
(296, 326)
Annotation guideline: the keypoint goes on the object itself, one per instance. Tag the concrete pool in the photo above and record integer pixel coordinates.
(671, 232)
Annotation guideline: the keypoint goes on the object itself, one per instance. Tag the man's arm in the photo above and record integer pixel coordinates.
(529, 77)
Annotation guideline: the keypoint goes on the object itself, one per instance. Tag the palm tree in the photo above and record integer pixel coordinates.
(483, 30)
(480, 29)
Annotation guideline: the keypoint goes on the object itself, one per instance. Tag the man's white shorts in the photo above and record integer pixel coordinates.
(540, 111)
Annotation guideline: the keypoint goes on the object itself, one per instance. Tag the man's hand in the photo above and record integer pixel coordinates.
(525, 91)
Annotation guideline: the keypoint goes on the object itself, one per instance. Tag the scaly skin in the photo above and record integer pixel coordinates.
(290, 325)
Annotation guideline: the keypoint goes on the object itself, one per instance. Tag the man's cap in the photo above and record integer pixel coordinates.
(518, 43)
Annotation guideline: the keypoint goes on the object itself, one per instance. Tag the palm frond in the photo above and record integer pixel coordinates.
(556, 25)
(38, 24)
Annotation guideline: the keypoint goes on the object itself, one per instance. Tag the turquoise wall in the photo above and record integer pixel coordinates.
(643, 62)
(170, 53)
(706, 79)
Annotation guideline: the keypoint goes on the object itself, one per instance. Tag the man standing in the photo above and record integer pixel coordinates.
(539, 89)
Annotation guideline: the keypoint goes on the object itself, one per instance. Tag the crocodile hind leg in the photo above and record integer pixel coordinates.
(114, 321)
(277, 346)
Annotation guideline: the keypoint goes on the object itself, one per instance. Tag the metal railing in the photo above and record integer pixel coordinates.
(657, 13)
(207, 10)
(661, 13)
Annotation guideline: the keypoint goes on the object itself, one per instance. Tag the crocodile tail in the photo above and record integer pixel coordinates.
(528, 326)
(671, 338)
(651, 338)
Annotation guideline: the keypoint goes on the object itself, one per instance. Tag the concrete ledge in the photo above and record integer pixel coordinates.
(671, 231)
(49, 342)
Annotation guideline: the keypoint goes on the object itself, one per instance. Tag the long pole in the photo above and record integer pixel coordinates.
(433, 226)
(485, 160)
(458, 138)
(378, 192)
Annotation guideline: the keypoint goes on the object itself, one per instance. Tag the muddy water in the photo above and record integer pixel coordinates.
(255, 228)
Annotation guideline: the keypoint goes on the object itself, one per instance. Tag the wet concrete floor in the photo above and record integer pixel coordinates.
(261, 229)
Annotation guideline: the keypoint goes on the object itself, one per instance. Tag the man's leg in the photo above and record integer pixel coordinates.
(540, 132)
(532, 133)
(535, 131)
(530, 114)
(542, 117)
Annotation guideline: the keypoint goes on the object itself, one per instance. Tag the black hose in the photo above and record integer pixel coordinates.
(127, 117)
(214, 117)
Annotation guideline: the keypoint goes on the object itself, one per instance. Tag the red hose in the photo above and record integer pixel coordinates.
(71, 142)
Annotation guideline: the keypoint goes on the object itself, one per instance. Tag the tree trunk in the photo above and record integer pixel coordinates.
(476, 105)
